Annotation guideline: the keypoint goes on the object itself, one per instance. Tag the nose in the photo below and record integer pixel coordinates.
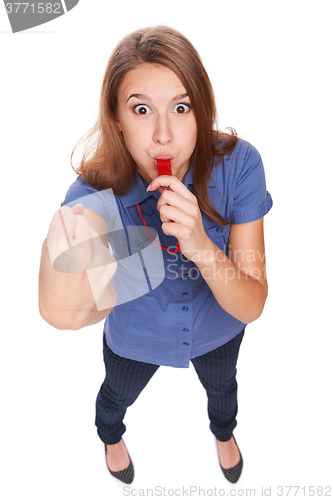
(162, 131)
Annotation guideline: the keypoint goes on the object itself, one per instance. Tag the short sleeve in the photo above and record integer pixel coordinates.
(103, 202)
(81, 192)
(251, 198)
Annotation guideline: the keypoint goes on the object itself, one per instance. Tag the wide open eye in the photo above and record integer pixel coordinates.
(141, 109)
(182, 108)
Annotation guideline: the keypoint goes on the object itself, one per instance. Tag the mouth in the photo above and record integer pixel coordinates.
(163, 157)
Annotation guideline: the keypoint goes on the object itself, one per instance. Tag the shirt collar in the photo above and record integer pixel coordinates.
(138, 193)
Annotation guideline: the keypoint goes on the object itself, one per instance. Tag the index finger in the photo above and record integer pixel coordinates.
(173, 183)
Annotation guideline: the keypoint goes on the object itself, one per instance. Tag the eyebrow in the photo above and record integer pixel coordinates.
(146, 97)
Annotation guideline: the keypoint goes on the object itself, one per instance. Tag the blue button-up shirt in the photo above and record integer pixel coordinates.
(165, 312)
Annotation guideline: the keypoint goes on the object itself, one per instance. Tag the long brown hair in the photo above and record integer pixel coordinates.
(106, 162)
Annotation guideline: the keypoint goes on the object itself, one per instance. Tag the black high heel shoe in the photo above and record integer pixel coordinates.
(125, 475)
(232, 474)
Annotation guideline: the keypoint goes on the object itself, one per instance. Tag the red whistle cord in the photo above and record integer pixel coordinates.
(153, 239)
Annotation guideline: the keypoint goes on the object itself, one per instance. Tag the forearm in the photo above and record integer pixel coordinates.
(67, 301)
(241, 295)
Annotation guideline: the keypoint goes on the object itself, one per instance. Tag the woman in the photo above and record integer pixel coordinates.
(206, 221)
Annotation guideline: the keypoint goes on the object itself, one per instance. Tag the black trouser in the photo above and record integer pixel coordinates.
(126, 378)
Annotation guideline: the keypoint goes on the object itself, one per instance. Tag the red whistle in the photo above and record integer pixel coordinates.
(164, 167)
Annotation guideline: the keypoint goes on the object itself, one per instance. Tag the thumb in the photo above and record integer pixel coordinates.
(78, 209)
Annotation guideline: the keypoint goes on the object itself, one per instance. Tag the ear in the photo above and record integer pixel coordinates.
(118, 125)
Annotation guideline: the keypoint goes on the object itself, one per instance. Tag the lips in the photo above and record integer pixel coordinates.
(162, 157)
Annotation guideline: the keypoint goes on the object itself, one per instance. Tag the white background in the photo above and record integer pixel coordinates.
(270, 65)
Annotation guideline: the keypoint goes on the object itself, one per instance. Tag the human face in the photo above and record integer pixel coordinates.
(157, 120)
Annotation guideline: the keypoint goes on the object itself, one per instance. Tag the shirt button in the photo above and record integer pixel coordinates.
(219, 229)
(184, 293)
(185, 308)
(185, 329)
(140, 245)
(185, 343)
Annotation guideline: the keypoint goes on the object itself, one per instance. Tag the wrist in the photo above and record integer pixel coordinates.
(209, 256)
